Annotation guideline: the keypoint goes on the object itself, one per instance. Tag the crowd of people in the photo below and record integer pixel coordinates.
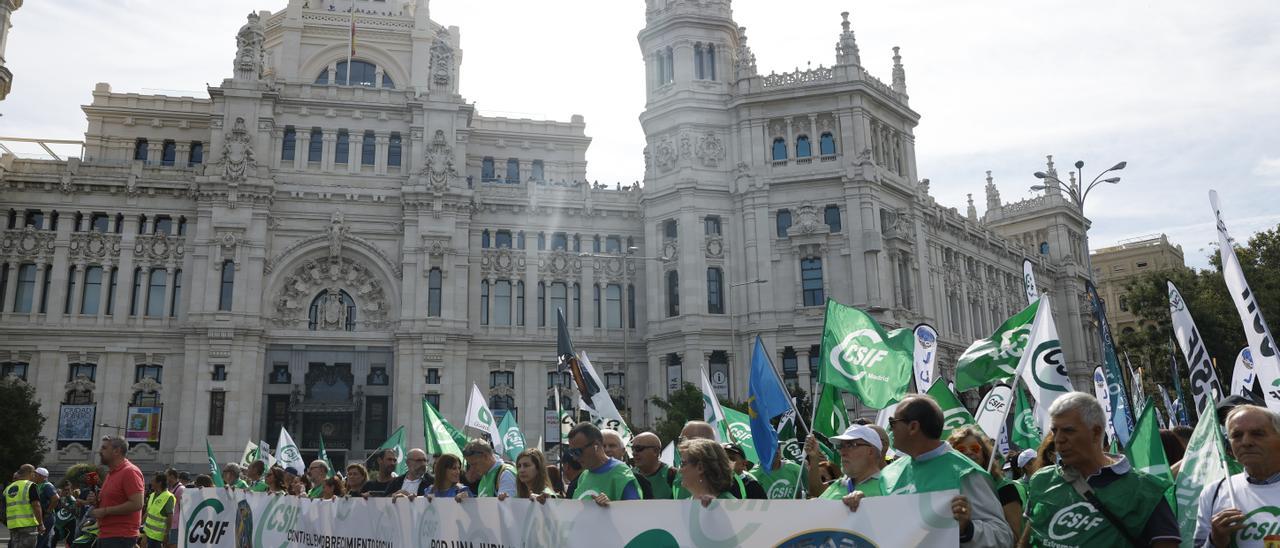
(1016, 500)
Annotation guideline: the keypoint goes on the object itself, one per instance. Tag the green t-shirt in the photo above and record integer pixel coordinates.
(872, 487)
(315, 492)
(259, 487)
(611, 482)
(659, 488)
(781, 482)
(940, 473)
(488, 486)
(240, 484)
(1057, 513)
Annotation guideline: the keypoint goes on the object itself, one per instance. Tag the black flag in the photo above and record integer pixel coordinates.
(568, 360)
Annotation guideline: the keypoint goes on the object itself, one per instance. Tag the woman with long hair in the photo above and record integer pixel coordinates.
(448, 478)
(705, 471)
(531, 473)
(972, 443)
(332, 488)
(277, 482)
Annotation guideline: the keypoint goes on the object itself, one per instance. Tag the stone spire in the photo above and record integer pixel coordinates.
(743, 58)
(993, 194)
(847, 47)
(900, 75)
(1051, 179)
(973, 211)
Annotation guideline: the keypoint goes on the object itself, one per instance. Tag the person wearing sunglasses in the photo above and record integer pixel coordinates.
(861, 453)
(971, 442)
(929, 464)
(497, 478)
(646, 450)
(603, 478)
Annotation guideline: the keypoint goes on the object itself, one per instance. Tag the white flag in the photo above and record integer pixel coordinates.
(287, 453)
(926, 356)
(480, 418)
(1029, 281)
(1135, 385)
(1266, 361)
(1044, 369)
(711, 410)
(1103, 394)
(668, 455)
(1243, 378)
(601, 404)
(1203, 379)
(992, 410)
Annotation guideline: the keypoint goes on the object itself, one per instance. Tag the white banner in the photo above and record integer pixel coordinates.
(233, 518)
(1029, 281)
(1101, 392)
(926, 356)
(1266, 362)
(1203, 379)
(1243, 378)
(992, 410)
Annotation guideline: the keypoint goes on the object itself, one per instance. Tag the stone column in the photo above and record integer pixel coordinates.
(355, 147)
(78, 293)
(301, 155)
(383, 140)
(330, 150)
(168, 290)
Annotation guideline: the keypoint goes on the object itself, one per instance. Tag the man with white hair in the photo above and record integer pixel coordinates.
(1093, 498)
(1244, 510)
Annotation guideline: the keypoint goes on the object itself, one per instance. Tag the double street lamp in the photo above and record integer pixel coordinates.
(1078, 193)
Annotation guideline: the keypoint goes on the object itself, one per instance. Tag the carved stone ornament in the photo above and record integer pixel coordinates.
(670, 251)
(159, 248)
(715, 247)
(337, 232)
(438, 166)
(442, 62)
(94, 246)
(79, 384)
(611, 269)
(437, 247)
(501, 263)
(249, 53)
(310, 279)
(65, 183)
(332, 312)
(807, 220)
(147, 384)
(237, 153)
(664, 152)
(710, 150)
(561, 264)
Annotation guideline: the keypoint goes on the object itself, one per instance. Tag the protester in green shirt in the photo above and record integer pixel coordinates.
(603, 478)
(317, 471)
(705, 472)
(861, 456)
(786, 480)
(231, 476)
(646, 449)
(495, 478)
(255, 476)
(747, 486)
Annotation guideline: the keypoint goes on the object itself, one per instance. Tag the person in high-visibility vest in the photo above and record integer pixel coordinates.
(22, 509)
(155, 524)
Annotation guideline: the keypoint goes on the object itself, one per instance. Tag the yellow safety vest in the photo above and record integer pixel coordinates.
(156, 525)
(17, 505)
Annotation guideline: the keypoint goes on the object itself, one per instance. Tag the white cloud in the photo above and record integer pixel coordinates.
(1267, 167)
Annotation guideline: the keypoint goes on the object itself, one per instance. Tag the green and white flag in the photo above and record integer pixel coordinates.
(459, 439)
(830, 418)
(859, 357)
(1203, 464)
(1026, 432)
(736, 428)
(996, 357)
(954, 414)
(436, 432)
(711, 411)
(215, 471)
(791, 448)
(1044, 371)
(396, 442)
(1145, 451)
(480, 418)
(512, 437)
(249, 455)
(287, 453)
(324, 456)
(566, 421)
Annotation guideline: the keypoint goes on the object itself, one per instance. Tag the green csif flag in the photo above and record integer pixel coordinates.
(830, 418)
(996, 358)
(396, 442)
(214, 471)
(954, 413)
(1026, 433)
(792, 447)
(512, 438)
(1145, 451)
(860, 358)
(459, 438)
(1203, 464)
(324, 456)
(738, 430)
(438, 433)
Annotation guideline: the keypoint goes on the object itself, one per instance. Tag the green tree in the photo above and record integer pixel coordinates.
(1214, 311)
(682, 406)
(20, 439)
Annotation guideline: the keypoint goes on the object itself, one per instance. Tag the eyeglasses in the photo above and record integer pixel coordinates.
(896, 420)
(851, 444)
(574, 453)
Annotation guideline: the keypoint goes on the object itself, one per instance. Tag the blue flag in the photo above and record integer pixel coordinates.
(766, 399)
(1122, 419)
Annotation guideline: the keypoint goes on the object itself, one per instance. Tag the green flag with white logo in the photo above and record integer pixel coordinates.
(996, 358)
(438, 432)
(512, 437)
(736, 428)
(396, 442)
(1145, 451)
(324, 456)
(954, 413)
(1026, 433)
(1203, 464)
(790, 445)
(859, 357)
(830, 418)
(214, 471)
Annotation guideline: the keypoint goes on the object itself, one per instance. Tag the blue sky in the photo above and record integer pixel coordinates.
(1185, 91)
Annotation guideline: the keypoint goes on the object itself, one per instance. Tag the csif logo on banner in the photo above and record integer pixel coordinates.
(995, 404)
(203, 530)
(860, 349)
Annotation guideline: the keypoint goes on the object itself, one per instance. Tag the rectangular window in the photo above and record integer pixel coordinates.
(4, 282)
(613, 244)
(393, 150)
(434, 279)
(715, 291)
(712, 225)
(163, 224)
(217, 409)
(33, 218)
(613, 298)
(315, 148)
(577, 305)
(92, 296)
(168, 153)
(17, 369)
(289, 144)
(99, 222)
(196, 156)
(669, 229)
(219, 372)
(673, 293)
(140, 150)
(811, 281)
(433, 375)
(26, 290)
(342, 150)
(595, 289)
(784, 222)
(542, 304)
(44, 293)
(71, 290)
(631, 306)
(501, 239)
(226, 286)
(368, 149)
(486, 169)
(513, 170)
(434, 400)
(375, 421)
(484, 302)
(559, 241)
(111, 291)
(538, 170)
(502, 302)
(278, 412)
(832, 217)
(86, 370)
(144, 371)
(560, 299)
(176, 301)
(520, 303)
(280, 374)
(155, 292)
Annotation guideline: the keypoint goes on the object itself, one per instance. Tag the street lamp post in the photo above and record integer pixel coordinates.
(733, 332)
(1078, 194)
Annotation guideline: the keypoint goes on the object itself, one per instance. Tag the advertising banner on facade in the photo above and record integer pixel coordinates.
(235, 518)
(143, 424)
(75, 422)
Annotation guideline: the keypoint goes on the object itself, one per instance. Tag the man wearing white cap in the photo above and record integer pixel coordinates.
(48, 502)
(861, 453)
(1027, 463)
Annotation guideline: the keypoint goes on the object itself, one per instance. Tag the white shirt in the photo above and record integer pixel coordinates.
(1260, 504)
(411, 486)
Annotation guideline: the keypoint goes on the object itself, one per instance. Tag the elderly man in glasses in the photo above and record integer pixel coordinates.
(861, 453)
(498, 479)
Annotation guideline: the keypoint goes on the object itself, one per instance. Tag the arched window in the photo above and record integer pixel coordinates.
(784, 222)
(715, 291)
(673, 293)
(363, 73)
(803, 150)
(826, 144)
(811, 281)
(486, 169)
(779, 149)
(316, 315)
(434, 279)
(227, 287)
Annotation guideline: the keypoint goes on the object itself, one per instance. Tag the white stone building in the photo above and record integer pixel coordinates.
(322, 246)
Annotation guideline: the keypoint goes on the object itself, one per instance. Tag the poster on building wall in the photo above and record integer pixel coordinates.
(75, 422)
(675, 378)
(143, 424)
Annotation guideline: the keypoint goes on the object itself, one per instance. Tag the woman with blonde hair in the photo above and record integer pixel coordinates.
(531, 475)
(972, 443)
(705, 471)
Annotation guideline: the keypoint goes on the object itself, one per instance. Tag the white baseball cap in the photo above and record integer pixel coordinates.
(861, 432)
(1025, 457)
(42, 472)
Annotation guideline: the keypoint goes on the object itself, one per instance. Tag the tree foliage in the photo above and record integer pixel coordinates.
(682, 406)
(1214, 311)
(20, 439)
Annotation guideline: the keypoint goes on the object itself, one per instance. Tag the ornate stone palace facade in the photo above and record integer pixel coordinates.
(322, 246)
